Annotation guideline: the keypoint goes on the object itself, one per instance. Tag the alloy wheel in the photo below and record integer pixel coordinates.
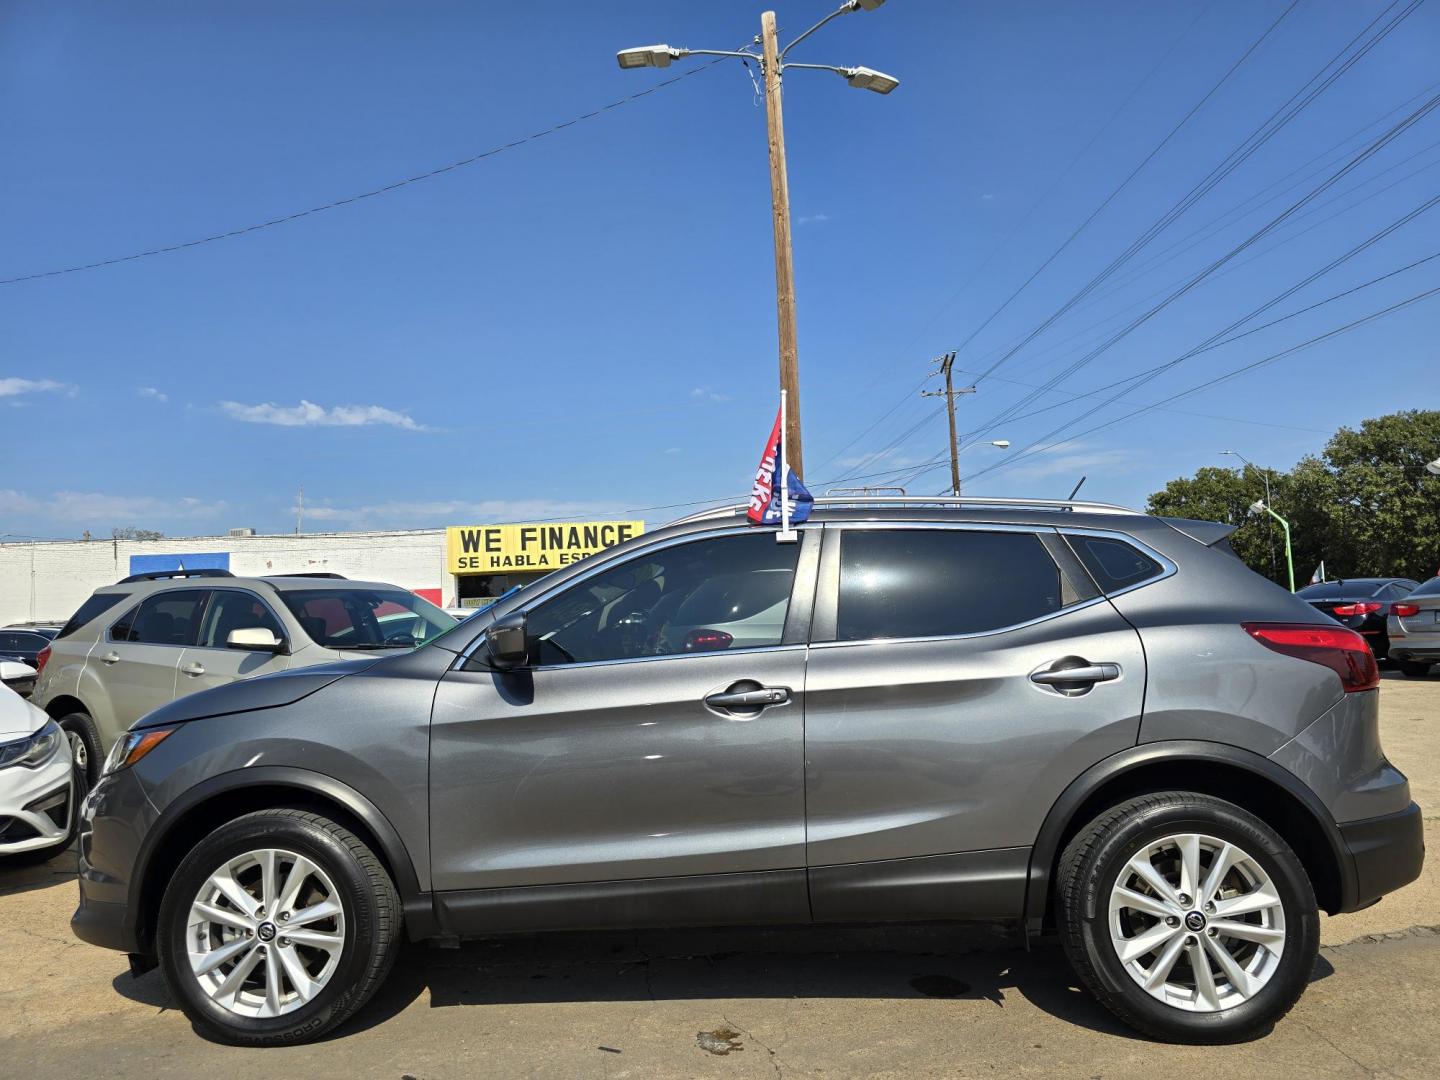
(265, 933)
(1197, 922)
(79, 752)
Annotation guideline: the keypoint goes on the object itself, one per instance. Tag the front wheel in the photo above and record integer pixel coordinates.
(85, 751)
(1188, 917)
(1414, 669)
(276, 928)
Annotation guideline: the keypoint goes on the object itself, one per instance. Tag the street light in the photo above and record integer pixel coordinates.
(1259, 506)
(1265, 475)
(771, 59)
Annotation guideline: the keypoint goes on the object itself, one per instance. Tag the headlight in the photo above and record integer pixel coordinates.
(34, 750)
(134, 745)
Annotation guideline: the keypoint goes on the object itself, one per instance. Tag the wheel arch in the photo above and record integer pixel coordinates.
(62, 705)
(230, 795)
(1240, 776)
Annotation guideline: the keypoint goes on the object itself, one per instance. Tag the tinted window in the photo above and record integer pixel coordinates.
(10, 641)
(230, 610)
(1430, 588)
(1394, 591)
(729, 592)
(1114, 564)
(21, 640)
(929, 583)
(122, 628)
(353, 618)
(168, 618)
(93, 608)
(1340, 590)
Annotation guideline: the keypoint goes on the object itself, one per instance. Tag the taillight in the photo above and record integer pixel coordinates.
(1364, 607)
(707, 640)
(41, 658)
(1340, 649)
(1404, 610)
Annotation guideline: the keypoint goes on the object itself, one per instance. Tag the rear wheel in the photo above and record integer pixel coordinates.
(85, 749)
(1188, 917)
(276, 928)
(1414, 669)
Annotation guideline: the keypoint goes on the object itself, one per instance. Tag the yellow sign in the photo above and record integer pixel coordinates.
(508, 549)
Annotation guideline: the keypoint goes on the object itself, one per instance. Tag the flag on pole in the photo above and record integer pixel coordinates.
(1319, 575)
(771, 503)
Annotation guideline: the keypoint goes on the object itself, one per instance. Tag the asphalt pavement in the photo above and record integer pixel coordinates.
(952, 1001)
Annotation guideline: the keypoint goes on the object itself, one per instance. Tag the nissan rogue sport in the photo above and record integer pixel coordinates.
(1067, 716)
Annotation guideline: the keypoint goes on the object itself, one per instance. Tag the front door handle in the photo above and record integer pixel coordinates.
(193, 669)
(1090, 673)
(110, 658)
(749, 699)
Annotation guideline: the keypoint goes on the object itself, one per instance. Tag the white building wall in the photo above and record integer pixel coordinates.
(49, 580)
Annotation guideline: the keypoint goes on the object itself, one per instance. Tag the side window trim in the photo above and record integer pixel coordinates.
(210, 599)
(825, 625)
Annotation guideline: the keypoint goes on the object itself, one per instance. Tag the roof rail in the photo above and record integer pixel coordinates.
(952, 501)
(162, 575)
(316, 573)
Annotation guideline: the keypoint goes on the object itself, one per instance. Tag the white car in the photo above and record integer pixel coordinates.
(37, 775)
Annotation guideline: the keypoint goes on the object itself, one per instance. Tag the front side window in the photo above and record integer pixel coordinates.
(366, 619)
(727, 592)
(231, 610)
(167, 618)
(909, 583)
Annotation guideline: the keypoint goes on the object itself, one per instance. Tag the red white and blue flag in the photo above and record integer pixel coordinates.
(766, 496)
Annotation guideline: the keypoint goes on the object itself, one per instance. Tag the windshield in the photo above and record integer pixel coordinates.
(342, 618)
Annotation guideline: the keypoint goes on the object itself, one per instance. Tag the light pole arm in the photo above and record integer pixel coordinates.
(843, 9)
(1289, 559)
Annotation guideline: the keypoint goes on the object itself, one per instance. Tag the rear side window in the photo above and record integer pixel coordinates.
(91, 609)
(906, 583)
(1114, 564)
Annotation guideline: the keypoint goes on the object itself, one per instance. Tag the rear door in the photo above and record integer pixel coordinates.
(210, 661)
(959, 678)
(138, 657)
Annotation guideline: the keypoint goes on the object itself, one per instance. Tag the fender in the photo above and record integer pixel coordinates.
(419, 911)
(1047, 842)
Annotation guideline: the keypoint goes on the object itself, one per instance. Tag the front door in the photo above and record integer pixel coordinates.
(659, 734)
(941, 723)
(210, 661)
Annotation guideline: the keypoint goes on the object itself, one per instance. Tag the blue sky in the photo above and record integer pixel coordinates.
(586, 323)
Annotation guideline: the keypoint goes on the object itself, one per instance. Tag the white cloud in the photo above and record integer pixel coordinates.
(987, 197)
(422, 514)
(151, 392)
(14, 387)
(1072, 459)
(704, 393)
(101, 510)
(886, 460)
(674, 450)
(812, 219)
(308, 414)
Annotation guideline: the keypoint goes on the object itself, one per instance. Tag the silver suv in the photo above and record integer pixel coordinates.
(1066, 716)
(143, 642)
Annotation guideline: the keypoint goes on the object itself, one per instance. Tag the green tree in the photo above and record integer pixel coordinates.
(1366, 506)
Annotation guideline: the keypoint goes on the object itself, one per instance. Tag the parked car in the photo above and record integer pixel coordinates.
(139, 644)
(1060, 714)
(1362, 604)
(37, 776)
(1414, 629)
(17, 676)
(24, 643)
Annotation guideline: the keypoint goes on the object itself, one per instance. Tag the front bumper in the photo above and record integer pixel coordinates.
(36, 804)
(113, 819)
(1387, 852)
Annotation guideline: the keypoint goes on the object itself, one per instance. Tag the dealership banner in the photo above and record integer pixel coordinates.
(508, 549)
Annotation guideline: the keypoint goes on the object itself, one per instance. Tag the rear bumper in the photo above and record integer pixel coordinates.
(1387, 852)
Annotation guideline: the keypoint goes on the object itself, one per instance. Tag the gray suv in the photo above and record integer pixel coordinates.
(152, 638)
(1067, 716)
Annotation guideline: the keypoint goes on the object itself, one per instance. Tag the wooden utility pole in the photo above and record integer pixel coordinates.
(784, 267)
(948, 394)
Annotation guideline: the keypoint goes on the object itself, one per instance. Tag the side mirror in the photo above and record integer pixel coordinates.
(16, 675)
(507, 643)
(254, 639)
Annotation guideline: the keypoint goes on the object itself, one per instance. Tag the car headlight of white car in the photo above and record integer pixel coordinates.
(34, 750)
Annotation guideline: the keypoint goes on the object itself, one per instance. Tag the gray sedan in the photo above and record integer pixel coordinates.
(1414, 630)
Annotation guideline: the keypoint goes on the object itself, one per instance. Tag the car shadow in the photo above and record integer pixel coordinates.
(959, 961)
(26, 872)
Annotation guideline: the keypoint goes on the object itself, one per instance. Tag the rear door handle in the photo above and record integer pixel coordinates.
(193, 669)
(749, 699)
(1090, 673)
(110, 658)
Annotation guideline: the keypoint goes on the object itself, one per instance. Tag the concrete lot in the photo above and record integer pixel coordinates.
(950, 1002)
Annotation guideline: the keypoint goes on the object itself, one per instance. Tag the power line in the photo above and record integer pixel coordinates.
(386, 189)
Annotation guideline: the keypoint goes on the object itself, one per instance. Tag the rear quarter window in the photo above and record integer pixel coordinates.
(90, 610)
(1113, 563)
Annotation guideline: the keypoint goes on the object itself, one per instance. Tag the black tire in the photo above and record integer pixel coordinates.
(1089, 868)
(1414, 669)
(373, 918)
(80, 726)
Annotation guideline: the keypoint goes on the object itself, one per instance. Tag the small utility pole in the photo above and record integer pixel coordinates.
(946, 366)
(784, 266)
(300, 510)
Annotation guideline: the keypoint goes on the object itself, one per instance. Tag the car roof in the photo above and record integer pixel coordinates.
(276, 584)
